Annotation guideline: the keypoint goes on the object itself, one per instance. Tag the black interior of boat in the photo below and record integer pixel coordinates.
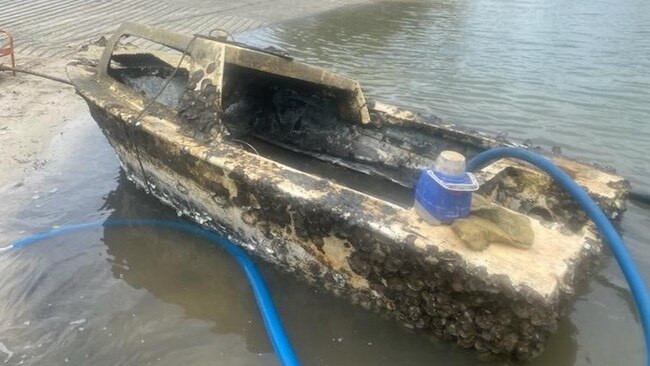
(370, 184)
(301, 125)
(146, 74)
(285, 109)
(304, 126)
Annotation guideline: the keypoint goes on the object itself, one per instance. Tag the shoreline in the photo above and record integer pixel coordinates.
(32, 111)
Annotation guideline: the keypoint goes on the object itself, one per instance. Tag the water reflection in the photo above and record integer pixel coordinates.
(180, 269)
(375, 27)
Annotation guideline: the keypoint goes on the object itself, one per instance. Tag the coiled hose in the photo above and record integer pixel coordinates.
(605, 227)
(272, 322)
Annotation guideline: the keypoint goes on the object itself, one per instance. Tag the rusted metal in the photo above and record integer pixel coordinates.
(9, 50)
(326, 192)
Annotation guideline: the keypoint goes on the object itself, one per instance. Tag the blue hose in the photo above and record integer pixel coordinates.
(607, 231)
(272, 322)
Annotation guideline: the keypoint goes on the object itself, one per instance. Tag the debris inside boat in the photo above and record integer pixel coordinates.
(293, 163)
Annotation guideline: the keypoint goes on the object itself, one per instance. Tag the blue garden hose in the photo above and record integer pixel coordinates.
(272, 322)
(605, 227)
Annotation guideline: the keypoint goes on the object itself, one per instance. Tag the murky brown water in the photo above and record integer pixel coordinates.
(575, 74)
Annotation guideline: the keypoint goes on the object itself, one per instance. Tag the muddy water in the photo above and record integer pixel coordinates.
(568, 74)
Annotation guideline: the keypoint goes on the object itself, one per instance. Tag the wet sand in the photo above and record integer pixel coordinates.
(32, 111)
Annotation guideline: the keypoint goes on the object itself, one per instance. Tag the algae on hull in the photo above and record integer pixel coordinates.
(330, 229)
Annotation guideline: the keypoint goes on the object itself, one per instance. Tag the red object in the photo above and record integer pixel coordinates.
(9, 51)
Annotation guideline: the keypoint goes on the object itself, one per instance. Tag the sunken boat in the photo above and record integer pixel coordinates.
(293, 163)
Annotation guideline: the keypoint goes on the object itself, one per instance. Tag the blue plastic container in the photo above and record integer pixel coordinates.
(445, 197)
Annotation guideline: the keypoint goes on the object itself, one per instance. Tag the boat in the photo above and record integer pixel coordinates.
(294, 164)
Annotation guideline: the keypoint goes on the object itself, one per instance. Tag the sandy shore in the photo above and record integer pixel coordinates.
(32, 111)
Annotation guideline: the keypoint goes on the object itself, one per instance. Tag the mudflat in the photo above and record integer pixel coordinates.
(32, 111)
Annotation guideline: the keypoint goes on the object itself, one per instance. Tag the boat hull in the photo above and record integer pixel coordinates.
(346, 242)
(338, 233)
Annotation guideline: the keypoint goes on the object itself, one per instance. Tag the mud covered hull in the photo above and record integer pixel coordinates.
(347, 242)
(293, 164)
